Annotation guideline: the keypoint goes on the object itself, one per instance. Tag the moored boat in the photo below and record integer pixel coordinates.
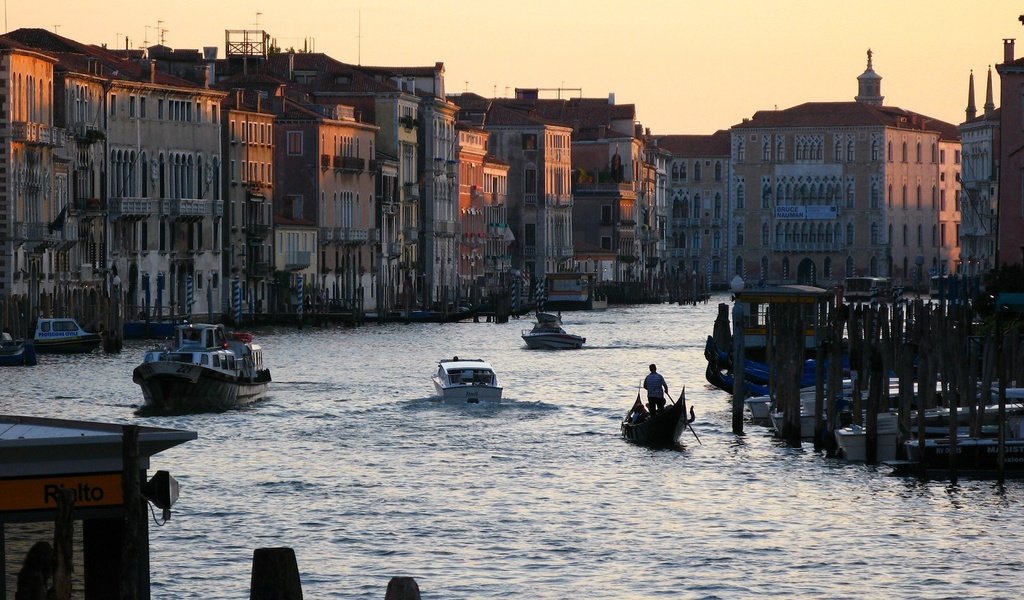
(205, 370)
(548, 334)
(469, 380)
(661, 430)
(63, 336)
(16, 353)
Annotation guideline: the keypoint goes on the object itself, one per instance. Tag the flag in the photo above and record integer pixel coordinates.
(58, 223)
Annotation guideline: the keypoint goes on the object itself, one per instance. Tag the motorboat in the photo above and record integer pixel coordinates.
(468, 380)
(63, 336)
(15, 353)
(852, 440)
(548, 334)
(205, 369)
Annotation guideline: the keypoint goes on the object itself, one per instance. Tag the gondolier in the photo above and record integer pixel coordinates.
(656, 388)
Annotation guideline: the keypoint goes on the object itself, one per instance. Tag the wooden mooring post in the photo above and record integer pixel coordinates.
(786, 340)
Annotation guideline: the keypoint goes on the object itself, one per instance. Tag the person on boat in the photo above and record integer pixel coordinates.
(656, 388)
(637, 414)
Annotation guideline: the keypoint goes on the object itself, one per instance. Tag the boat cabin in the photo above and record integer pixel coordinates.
(201, 336)
(755, 303)
(867, 289)
(466, 372)
(49, 329)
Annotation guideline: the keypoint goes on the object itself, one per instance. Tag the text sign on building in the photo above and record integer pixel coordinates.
(800, 213)
(40, 493)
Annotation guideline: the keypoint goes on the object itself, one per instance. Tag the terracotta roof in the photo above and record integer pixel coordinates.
(716, 144)
(75, 57)
(847, 114)
(499, 115)
(330, 74)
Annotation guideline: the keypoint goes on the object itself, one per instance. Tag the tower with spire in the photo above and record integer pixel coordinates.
(869, 86)
(990, 105)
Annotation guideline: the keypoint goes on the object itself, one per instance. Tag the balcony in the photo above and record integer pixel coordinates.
(411, 235)
(808, 246)
(558, 200)
(678, 253)
(530, 199)
(257, 229)
(394, 250)
(562, 252)
(190, 208)
(373, 166)
(296, 260)
(447, 228)
(131, 208)
(352, 236)
(349, 164)
(529, 251)
(412, 191)
(326, 235)
(37, 134)
(624, 190)
(325, 161)
(88, 133)
(260, 269)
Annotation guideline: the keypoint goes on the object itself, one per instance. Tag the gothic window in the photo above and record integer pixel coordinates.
(765, 232)
(740, 196)
(739, 234)
(874, 234)
(849, 234)
(696, 170)
(718, 170)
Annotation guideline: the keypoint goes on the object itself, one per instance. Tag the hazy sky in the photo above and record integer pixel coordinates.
(689, 66)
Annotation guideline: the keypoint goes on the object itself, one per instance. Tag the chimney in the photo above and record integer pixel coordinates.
(149, 69)
(611, 98)
(1007, 50)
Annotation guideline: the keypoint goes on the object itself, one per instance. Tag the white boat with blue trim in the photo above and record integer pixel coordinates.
(548, 334)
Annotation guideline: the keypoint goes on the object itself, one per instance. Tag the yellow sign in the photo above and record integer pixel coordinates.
(40, 493)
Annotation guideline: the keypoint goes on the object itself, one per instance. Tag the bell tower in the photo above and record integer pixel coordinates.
(869, 86)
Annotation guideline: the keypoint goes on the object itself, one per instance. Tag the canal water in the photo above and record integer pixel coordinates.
(351, 462)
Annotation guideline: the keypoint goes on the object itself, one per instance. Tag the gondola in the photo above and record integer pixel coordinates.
(659, 431)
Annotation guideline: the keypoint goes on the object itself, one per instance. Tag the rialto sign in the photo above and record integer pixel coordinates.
(795, 212)
(40, 493)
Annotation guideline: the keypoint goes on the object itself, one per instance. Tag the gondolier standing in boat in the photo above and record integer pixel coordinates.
(656, 388)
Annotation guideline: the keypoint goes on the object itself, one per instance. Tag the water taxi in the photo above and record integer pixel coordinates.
(469, 380)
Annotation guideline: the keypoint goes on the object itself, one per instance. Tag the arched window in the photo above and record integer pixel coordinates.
(890, 151)
(738, 268)
(903, 154)
(849, 234)
(675, 171)
(874, 234)
(740, 195)
(904, 197)
(849, 195)
(718, 206)
(766, 196)
(718, 170)
(849, 267)
(828, 267)
(696, 207)
(741, 152)
(905, 240)
(837, 150)
(919, 152)
(696, 170)
(739, 234)
(920, 236)
(766, 151)
(849, 153)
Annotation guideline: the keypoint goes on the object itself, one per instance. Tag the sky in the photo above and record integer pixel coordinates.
(689, 66)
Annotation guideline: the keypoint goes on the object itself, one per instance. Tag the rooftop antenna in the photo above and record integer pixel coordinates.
(467, 86)
(160, 31)
(55, 28)
(257, 23)
(359, 38)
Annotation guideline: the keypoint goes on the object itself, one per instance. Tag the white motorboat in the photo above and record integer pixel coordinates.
(469, 380)
(548, 334)
(206, 369)
(64, 336)
(852, 440)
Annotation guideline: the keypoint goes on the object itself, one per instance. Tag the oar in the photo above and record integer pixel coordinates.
(682, 398)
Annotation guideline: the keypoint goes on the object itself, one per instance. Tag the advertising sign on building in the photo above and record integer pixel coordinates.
(815, 211)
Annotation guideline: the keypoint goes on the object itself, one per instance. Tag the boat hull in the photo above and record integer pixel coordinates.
(69, 345)
(972, 454)
(660, 431)
(553, 341)
(21, 355)
(468, 394)
(177, 387)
